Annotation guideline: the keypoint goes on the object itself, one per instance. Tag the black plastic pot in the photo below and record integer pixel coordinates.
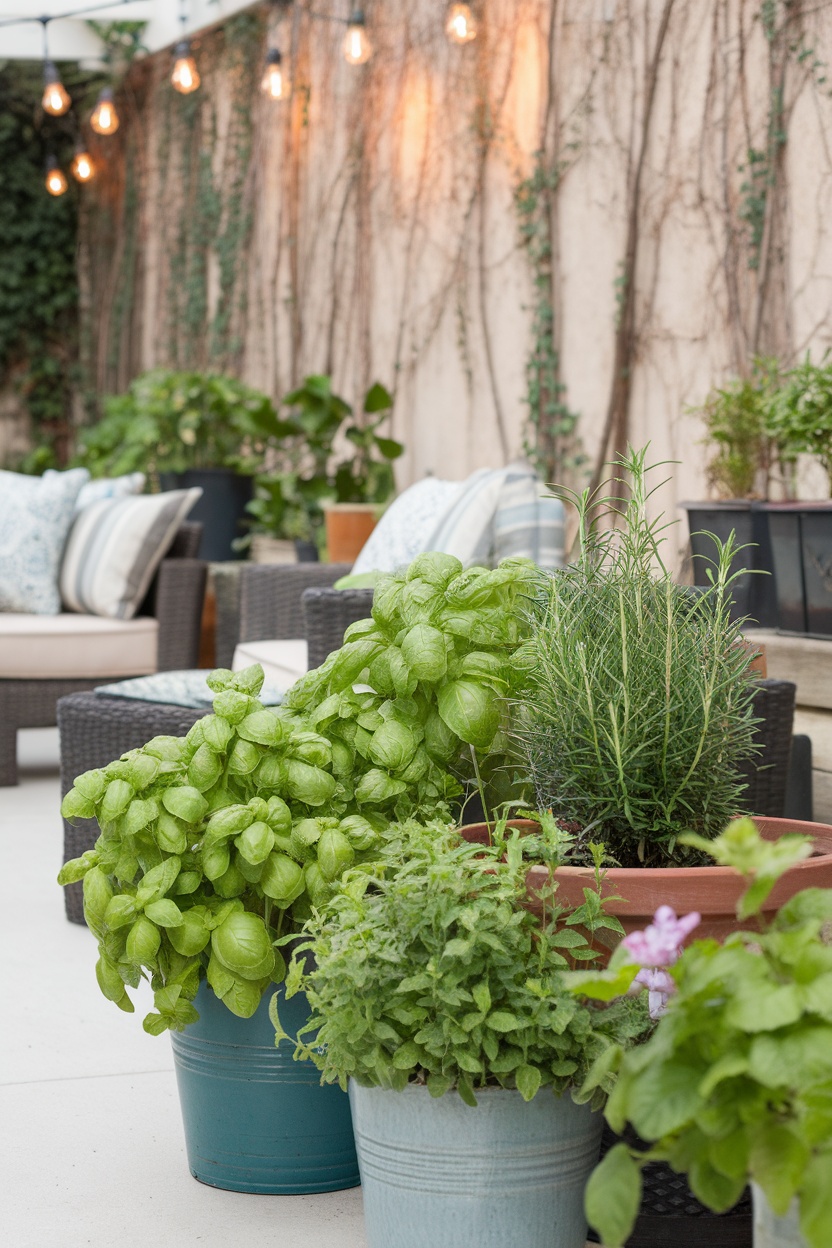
(754, 594)
(306, 552)
(221, 510)
(800, 536)
(670, 1215)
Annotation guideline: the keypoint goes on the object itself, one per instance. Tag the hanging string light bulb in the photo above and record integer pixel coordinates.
(83, 166)
(56, 99)
(275, 80)
(56, 183)
(185, 77)
(357, 46)
(105, 119)
(460, 26)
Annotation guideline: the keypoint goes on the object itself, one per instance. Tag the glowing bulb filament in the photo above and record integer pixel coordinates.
(105, 119)
(82, 168)
(275, 81)
(56, 99)
(185, 77)
(56, 183)
(357, 46)
(460, 26)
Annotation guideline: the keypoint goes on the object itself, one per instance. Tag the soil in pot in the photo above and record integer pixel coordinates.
(256, 1120)
(436, 1173)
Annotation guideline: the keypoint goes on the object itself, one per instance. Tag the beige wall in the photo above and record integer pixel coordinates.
(384, 241)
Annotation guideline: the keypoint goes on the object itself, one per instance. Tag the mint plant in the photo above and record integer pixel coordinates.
(736, 1083)
(215, 845)
(429, 969)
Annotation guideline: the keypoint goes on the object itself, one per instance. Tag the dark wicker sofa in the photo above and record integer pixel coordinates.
(175, 599)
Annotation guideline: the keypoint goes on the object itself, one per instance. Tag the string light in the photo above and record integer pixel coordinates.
(357, 46)
(56, 183)
(105, 119)
(275, 81)
(185, 77)
(460, 26)
(56, 99)
(82, 167)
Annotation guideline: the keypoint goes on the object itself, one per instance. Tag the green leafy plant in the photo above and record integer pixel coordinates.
(737, 420)
(288, 499)
(216, 844)
(430, 970)
(736, 1083)
(801, 415)
(172, 421)
(637, 713)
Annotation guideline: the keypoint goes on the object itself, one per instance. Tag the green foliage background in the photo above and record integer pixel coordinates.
(38, 280)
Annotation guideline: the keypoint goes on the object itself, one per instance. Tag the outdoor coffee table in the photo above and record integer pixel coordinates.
(94, 730)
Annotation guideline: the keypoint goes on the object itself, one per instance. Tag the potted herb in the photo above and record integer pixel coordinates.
(736, 1083)
(744, 453)
(186, 429)
(311, 495)
(217, 845)
(443, 1005)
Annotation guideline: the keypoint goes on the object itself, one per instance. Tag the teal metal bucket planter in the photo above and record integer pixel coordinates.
(256, 1120)
(508, 1174)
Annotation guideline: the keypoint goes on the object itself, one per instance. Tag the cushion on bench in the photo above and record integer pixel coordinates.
(70, 646)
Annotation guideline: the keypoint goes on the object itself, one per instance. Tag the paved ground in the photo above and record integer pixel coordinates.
(92, 1149)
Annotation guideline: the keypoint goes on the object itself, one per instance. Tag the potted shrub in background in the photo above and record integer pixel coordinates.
(443, 1004)
(309, 495)
(185, 429)
(736, 1083)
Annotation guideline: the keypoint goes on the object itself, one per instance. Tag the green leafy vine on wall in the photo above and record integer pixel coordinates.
(552, 443)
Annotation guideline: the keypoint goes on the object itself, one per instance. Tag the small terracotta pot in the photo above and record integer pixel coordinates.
(633, 894)
(348, 525)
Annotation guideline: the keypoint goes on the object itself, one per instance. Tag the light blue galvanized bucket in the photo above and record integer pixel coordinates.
(771, 1231)
(255, 1119)
(508, 1174)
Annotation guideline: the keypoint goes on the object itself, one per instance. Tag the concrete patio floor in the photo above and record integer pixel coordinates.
(92, 1144)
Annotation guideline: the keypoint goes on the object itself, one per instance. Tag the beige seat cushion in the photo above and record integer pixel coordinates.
(73, 646)
(283, 662)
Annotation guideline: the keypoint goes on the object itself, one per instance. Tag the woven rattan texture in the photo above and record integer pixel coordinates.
(672, 1217)
(328, 613)
(767, 774)
(270, 597)
(94, 730)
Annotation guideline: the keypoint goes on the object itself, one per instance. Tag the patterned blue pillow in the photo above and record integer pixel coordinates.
(35, 517)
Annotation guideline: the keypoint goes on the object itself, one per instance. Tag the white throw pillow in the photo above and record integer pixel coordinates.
(106, 487)
(403, 531)
(35, 516)
(115, 547)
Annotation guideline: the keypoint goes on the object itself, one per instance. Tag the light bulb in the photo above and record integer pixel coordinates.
(460, 26)
(55, 97)
(56, 184)
(105, 118)
(357, 46)
(275, 80)
(185, 77)
(82, 167)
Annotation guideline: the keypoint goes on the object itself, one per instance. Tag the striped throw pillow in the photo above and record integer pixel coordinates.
(114, 548)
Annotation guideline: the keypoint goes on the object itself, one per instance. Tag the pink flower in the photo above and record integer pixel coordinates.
(660, 944)
(660, 986)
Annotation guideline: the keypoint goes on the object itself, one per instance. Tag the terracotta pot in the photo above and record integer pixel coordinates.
(348, 525)
(633, 894)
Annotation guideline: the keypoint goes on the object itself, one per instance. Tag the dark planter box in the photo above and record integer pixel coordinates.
(221, 510)
(800, 538)
(755, 594)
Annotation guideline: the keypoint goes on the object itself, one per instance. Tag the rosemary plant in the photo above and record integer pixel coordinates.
(638, 709)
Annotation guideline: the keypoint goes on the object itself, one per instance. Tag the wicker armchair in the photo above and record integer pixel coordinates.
(175, 599)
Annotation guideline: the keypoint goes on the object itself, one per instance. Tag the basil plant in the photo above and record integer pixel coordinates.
(217, 845)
